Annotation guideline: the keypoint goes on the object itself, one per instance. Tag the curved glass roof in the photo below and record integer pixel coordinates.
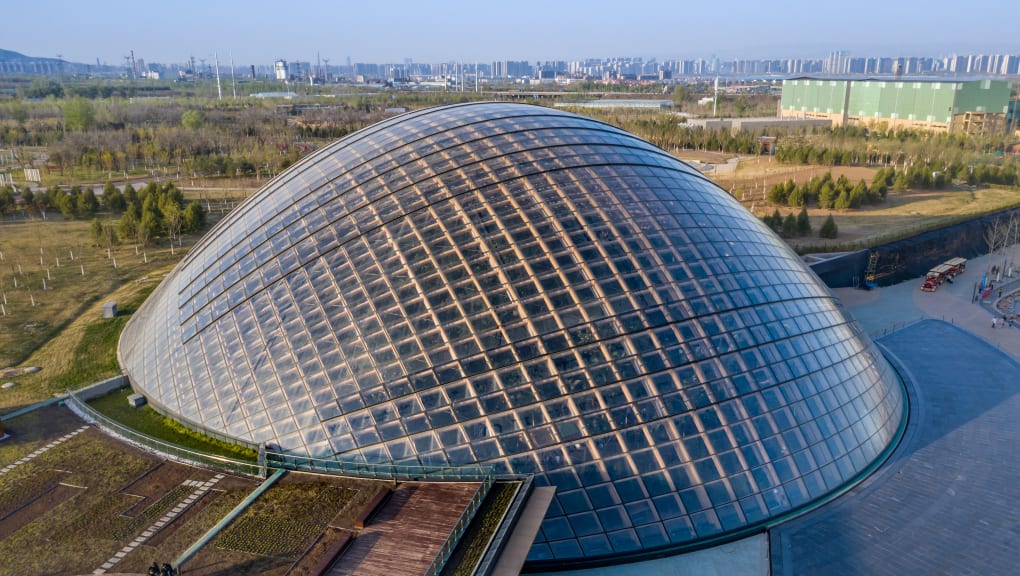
(538, 291)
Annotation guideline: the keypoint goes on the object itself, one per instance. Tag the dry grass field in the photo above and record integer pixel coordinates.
(58, 328)
(901, 214)
(53, 283)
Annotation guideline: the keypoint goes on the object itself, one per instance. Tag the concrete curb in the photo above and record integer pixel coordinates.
(215, 530)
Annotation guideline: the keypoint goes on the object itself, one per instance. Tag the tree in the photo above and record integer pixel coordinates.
(777, 194)
(96, 232)
(79, 115)
(173, 216)
(130, 195)
(776, 220)
(826, 196)
(842, 202)
(858, 194)
(902, 182)
(829, 228)
(87, 203)
(148, 227)
(127, 226)
(803, 223)
(113, 198)
(796, 198)
(66, 204)
(193, 119)
(789, 229)
(194, 217)
(6, 199)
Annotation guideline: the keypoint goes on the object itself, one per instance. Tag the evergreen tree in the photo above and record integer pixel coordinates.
(829, 228)
(127, 226)
(776, 221)
(796, 198)
(194, 217)
(130, 195)
(826, 196)
(96, 231)
(803, 223)
(858, 194)
(842, 201)
(789, 229)
(87, 203)
(777, 194)
(113, 199)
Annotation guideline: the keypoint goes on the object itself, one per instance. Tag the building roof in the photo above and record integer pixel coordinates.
(533, 290)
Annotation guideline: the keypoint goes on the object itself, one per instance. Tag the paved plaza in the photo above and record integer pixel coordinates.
(946, 502)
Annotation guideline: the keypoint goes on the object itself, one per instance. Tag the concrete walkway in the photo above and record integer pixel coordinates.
(882, 310)
(946, 501)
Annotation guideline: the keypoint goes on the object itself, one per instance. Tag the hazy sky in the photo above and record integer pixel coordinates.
(258, 32)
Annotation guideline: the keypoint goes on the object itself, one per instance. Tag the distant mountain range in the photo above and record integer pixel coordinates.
(16, 63)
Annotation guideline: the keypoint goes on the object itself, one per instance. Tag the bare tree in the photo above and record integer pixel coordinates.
(997, 236)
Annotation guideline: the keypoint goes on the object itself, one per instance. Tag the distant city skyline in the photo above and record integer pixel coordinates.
(258, 32)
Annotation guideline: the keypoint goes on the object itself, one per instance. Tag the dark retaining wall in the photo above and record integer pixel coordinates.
(911, 257)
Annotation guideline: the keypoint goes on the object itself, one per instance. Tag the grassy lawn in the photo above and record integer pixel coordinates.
(57, 252)
(152, 423)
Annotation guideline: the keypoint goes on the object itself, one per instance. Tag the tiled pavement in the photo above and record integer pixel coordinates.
(200, 489)
(948, 500)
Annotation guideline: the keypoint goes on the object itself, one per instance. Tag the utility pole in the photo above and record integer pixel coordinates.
(715, 96)
(219, 89)
(233, 84)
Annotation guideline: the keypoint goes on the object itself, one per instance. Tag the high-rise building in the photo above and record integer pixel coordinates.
(280, 69)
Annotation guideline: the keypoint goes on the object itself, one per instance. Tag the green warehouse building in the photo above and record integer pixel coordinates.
(959, 106)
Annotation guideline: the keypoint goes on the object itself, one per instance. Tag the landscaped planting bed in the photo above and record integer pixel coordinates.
(266, 529)
(71, 508)
(474, 542)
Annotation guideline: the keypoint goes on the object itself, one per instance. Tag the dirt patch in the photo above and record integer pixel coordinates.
(53, 497)
(320, 553)
(157, 482)
(708, 157)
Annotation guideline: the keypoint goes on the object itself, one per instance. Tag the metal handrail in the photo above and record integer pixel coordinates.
(378, 471)
(167, 449)
(453, 538)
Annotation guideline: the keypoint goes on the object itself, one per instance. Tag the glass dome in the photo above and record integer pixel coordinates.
(535, 290)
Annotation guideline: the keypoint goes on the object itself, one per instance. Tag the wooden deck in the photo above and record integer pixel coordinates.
(406, 534)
